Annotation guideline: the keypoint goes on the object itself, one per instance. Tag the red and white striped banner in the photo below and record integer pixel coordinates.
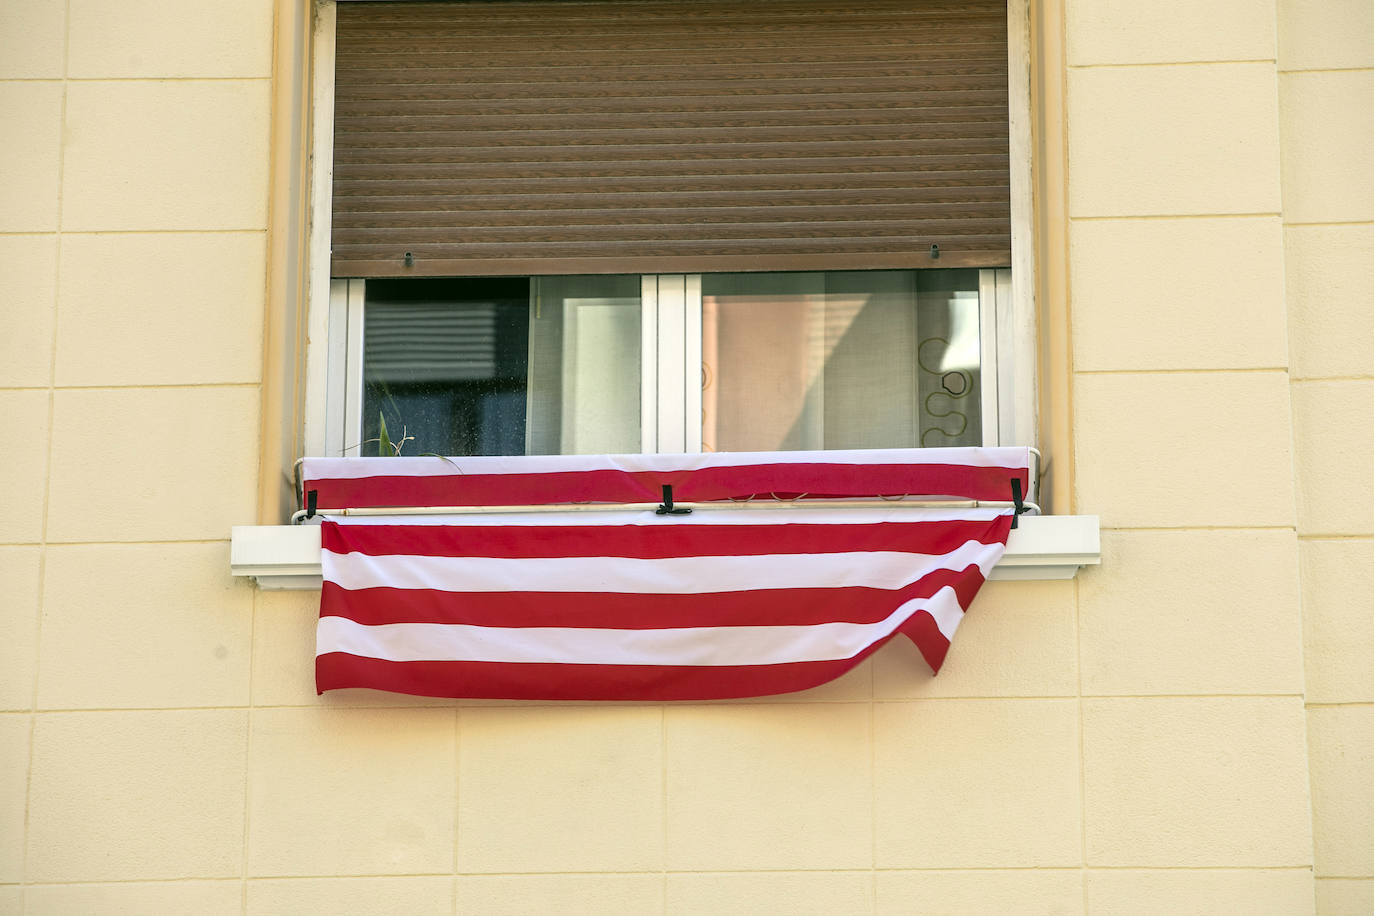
(623, 604)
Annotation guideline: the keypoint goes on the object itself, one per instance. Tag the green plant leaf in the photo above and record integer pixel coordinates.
(441, 458)
(384, 448)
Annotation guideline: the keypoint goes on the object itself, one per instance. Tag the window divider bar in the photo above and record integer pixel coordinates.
(336, 361)
(1010, 380)
(671, 368)
(648, 369)
(353, 379)
(989, 327)
(692, 376)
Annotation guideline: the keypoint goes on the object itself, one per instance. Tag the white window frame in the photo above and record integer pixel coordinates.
(670, 360)
(334, 328)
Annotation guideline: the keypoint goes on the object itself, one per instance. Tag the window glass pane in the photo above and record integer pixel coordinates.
(871, 359)
(584, 365)
(948, 357)
(502, 366)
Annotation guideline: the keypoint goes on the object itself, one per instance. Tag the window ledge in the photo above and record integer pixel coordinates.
(1050, 547)
(1041, 547)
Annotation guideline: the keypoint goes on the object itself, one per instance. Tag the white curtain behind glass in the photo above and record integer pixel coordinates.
(837, 360)
(584, 346)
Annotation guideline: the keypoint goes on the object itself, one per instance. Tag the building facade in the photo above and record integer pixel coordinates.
(1187, 728)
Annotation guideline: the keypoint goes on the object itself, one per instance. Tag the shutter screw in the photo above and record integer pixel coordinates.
(934, 252)
(410, 259)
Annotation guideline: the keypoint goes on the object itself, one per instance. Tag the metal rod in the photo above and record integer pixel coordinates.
(435, 510)
(768, 503)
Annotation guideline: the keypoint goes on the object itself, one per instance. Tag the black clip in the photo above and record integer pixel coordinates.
(1016, 500)
(410, 259)
(311, 500)
(667, 507)
(934, 252)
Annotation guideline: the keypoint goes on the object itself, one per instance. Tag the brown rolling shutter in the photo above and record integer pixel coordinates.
(645, 136)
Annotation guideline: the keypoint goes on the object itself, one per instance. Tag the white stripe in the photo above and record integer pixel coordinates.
(765, 514)
(317, 469)
(668, 576)
(698, 646)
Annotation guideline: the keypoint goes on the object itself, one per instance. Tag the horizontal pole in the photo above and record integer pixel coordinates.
(768, 503)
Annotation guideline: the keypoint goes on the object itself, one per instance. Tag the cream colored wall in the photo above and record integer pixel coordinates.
(1189, 635)
(1326, 85)
(134, 160)
(1135, 741)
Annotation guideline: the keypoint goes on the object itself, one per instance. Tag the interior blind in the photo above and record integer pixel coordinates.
(525, 138)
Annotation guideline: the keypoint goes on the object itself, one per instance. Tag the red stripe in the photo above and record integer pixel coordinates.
(933, 645)
(653, 683)
(765, 607)
(499, 680)
(667, 539)
(782, 480)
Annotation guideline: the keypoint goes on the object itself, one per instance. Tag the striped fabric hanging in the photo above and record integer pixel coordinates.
(623, 603)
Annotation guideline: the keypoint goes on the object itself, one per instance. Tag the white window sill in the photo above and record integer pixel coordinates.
(1041, 547)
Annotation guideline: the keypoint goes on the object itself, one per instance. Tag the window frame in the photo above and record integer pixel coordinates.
(1044, 547)
(671, 356)
(331, 337)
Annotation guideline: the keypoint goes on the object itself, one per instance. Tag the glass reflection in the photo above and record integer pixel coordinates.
(854, 359)
(502, 366)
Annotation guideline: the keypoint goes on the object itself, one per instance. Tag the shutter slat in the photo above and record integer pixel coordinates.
(572, 209)
(671, 10)
(916, 71)
(633, 261)
(472, 140)
(989, 170)
(388, 193)
(372, 116)
(380, 54)
(651, 245)
(555, 86)
(837, 96)
(942, 154)
(607, 137)
(690, 232)
(602, 18)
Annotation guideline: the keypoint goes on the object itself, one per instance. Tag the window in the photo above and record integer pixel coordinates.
(668, 362)
(822, 172)
(718, 226)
